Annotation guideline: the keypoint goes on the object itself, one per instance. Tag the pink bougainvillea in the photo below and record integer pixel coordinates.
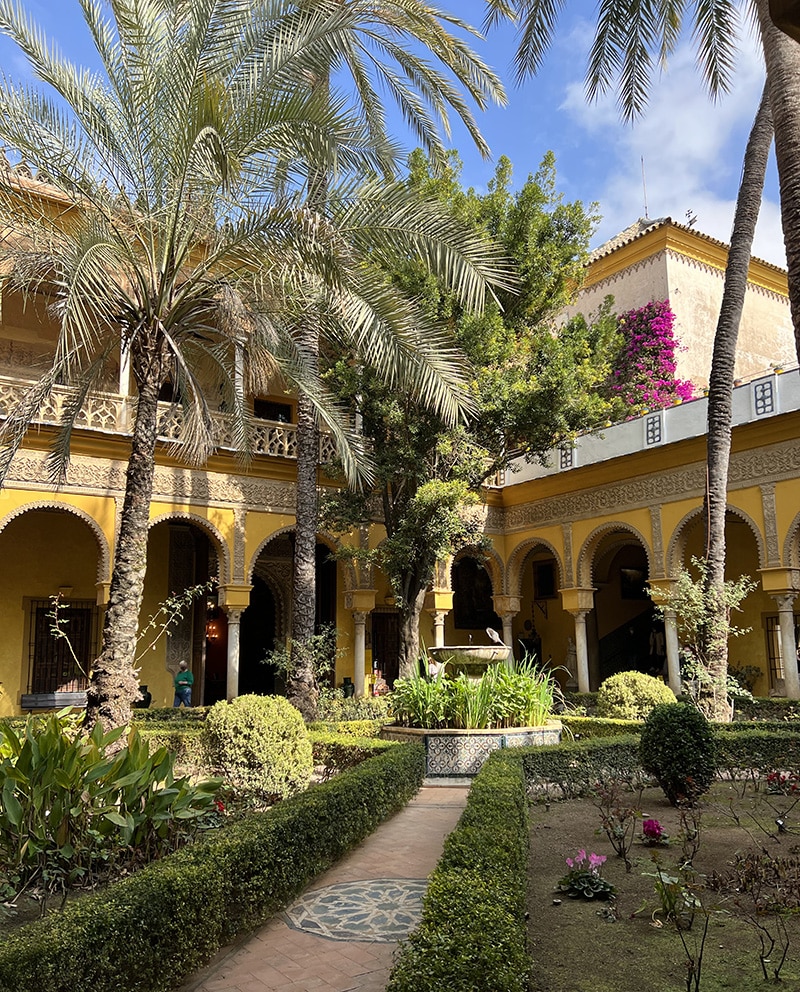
(644, 377)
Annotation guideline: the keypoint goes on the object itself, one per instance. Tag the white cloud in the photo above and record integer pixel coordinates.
(692, 149)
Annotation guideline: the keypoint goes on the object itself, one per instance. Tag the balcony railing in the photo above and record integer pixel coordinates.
(112, 413)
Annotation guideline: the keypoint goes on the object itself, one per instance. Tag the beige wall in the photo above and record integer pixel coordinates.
(694, 290)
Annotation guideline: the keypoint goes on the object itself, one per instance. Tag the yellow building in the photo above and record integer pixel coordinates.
(573, 543)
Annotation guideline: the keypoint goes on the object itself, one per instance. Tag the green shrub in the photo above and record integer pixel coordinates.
(334, 705)
(631, 696)
(583, 727)
(678, 747)
(261, 745)
(352, 728)
(573, 768)
(473, 933)
(149, 931)
(336, 752)
(186, 744)
(767, 708)
(68, 808)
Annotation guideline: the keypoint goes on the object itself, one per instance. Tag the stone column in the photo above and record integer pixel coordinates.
(232, 686)
(785, 603)
(359, 650)
(581, 649)
(673, 651)
(508, 633)
(438, 627)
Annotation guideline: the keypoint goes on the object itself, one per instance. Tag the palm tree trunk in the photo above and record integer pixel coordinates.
(301, 687)
(114, 681)
(720, 399)
(782, 57)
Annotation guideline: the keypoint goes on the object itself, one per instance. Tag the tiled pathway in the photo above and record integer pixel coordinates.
(340, 935)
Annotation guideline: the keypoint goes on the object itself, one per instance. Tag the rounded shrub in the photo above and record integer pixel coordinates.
(678, 747)
(261, 745)
(631, 696)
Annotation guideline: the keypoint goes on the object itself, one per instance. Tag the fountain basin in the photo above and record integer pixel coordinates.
(471, 659)
(460, 753)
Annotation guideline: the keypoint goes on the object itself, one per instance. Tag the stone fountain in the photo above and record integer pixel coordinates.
(472, 659)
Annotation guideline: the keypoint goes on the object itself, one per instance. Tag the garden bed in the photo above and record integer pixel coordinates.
(629, 946)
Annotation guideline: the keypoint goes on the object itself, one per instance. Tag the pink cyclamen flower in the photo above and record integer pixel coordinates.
(652, 830)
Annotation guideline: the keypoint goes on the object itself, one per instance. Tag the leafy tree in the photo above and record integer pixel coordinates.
(626, 39)
(532, 385)
(407, 50)
(168, 224)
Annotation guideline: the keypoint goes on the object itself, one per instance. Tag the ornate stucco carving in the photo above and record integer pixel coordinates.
(108, 478)
(770, 523)
(658, 539)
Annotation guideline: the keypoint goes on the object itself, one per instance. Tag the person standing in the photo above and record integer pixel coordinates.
(184, 681)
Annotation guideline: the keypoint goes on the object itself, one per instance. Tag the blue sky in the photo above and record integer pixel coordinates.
(692, 147)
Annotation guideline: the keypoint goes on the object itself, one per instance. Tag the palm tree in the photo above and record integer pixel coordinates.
(720, 401)
(377, 50)
(631, 38)
(164, 221)
(625, 40)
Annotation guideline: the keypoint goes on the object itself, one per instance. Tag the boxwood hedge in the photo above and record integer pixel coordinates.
(147, 932)
(473, 934)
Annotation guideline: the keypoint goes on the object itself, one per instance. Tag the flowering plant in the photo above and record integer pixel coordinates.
(653, 833)
(644, 373)
(583, 880)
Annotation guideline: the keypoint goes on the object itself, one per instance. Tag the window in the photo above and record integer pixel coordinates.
(272, 410)
(51, 665)
(774, 659)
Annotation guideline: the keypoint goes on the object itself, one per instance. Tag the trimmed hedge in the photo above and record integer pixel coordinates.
(767, 708)
(473, 934)
(187, 743)
(336, 752)
(352, 728)
(149, 931)
(571, 769)
(582, 727)
(171, 714)
(740, 752)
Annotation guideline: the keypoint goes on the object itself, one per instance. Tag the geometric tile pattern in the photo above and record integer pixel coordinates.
(379, 909)
(459, 754)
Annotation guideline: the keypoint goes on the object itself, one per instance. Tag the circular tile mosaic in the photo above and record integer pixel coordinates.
(381, 909)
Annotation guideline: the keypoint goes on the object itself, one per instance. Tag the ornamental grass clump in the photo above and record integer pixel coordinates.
(519, 696)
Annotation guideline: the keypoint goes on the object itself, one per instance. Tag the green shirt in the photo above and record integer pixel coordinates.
(183, 679)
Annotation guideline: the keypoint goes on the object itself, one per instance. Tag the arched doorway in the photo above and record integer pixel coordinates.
(473, 606)
(266, 622)
(623, 631)
(49, 552)
(182, 556)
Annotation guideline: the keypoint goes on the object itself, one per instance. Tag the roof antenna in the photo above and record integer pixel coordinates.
(644, 190)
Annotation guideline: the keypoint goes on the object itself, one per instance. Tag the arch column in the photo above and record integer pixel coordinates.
(788, 647)
(579, 602)
(673, 651)
(361, 603)
(234, 600)
(660, 591)
(359, 651)
(234, 617)
(507, 607)
(438, 603)
(782, 585)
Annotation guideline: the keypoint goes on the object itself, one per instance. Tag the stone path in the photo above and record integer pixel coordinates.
(340, 935)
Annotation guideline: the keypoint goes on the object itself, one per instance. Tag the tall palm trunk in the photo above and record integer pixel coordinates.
(782, 57)
(301, 687)
(720, 400)
(114, 681)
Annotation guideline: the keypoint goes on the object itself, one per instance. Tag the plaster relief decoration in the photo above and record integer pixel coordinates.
(106, 477)
(770, 523)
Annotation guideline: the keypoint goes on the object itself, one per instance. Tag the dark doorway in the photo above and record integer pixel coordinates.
(256, 638)
(386, 645)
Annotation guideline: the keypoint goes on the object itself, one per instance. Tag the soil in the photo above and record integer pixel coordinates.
(629, 945)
